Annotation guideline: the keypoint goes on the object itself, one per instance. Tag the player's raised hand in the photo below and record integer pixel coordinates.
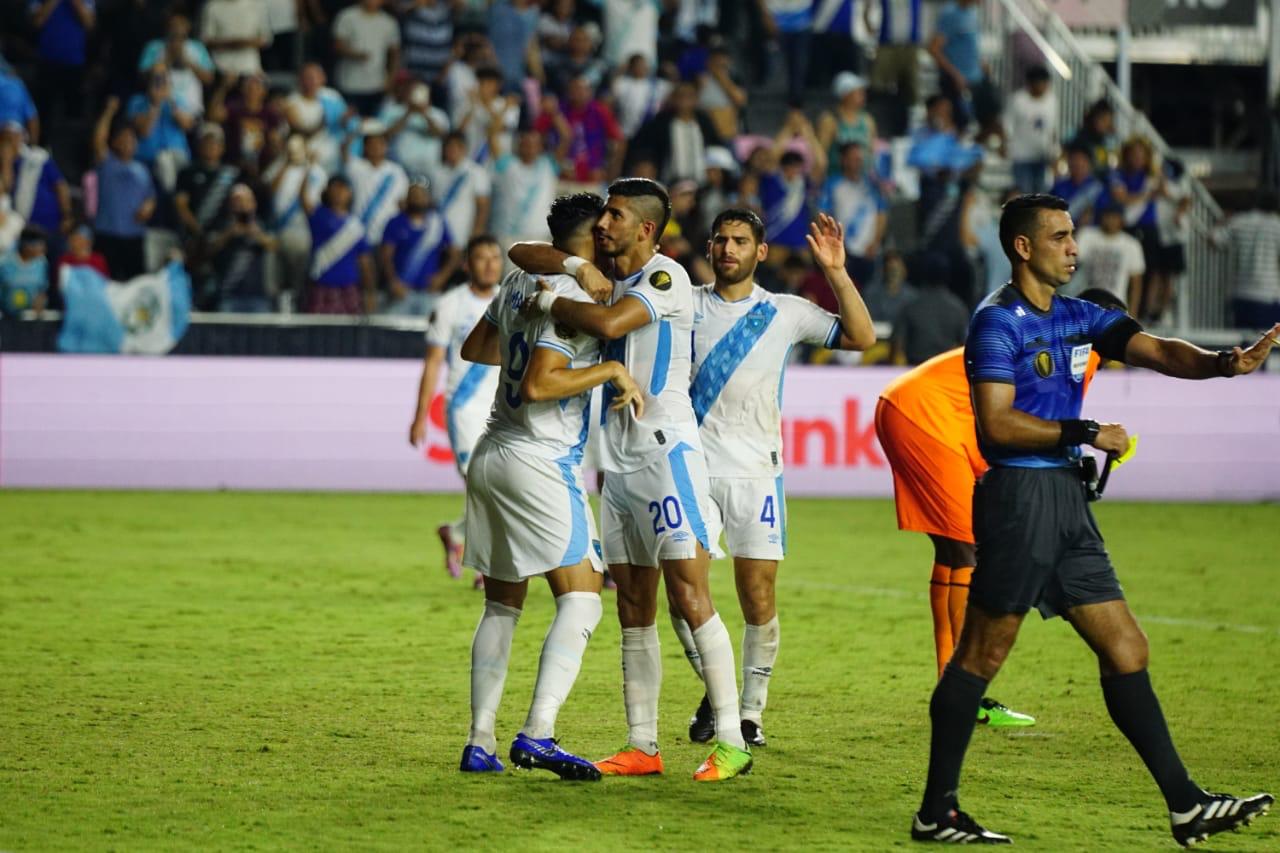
(826, 241)
(629, 393)
(595, 283)
(1249, 360)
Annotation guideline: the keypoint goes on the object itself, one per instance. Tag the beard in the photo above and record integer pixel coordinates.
(743, 271)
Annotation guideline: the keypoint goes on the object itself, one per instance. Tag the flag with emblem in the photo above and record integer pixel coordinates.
(146, 315)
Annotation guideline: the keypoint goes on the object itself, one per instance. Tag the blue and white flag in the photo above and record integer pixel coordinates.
(146, 315)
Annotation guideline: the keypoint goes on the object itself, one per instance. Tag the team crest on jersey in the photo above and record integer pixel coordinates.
(1044, 364)
(661, 280)
(516, 301)
(564, 332)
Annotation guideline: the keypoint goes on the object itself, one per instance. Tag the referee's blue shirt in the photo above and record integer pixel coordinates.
(1044, 355)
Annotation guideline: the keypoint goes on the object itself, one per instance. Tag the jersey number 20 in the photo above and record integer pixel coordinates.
(668, 511)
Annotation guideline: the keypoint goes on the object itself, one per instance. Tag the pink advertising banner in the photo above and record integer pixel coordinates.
(328, 424)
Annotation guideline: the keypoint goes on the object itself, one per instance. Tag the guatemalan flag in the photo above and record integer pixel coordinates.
(145, 315)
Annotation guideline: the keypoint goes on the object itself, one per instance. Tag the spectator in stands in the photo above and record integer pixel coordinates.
(835, 46)
(126, 195)
(63, 28)
(1080, 187)
(414, 126)
(718, 190)
(512, 27)
(490, 118)
(202, 190)
(1032, 131)
(319, 114)
(785, 197)
(461, 188)
(849, 121)
(675, 141)
(161, 123)
(255, 129)
(288, 178)
(559, 20)
(235, 32)
(16, 104)
(1173, 201)
(189, 63)
(935, 321)
(1109, 258)
(789, 23)
(964, 78)
(886, 297)
(418, 256)
(1134, 185)
(854, 199)
(378, 183)
(36, 188)
(982, 225)
(1097, 136)
(342, 274)
(367, 42)
(524, 185)
(578, 60)
(285, 18)
(590, 143)
(460, 76)
(1253, 240)
(637, 95)
(719, 94)
(80, 253)
(239, 254)
(426, 39)
(896, 69)
(24, 275)
(630, 28)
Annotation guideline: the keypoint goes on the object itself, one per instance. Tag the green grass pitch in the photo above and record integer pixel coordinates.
(267, 671)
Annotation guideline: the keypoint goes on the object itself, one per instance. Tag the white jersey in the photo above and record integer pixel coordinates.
(376, 193)
(551, 429)
(455, 315)
(740, 353)
(658, 356)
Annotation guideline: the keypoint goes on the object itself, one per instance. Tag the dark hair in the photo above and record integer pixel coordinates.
(333, 181)
(1037, 74)
(853, 143)
(1104, 298)
(743, 215)
(488, 73)
(791, 158)
(482, 240)
(569, 213)
(455, 136)
(654, 203)
(1079, 149)
(934, 100)
(32, 234)
(1020, 216)
(1097, 108)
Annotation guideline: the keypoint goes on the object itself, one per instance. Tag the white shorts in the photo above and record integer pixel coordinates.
(658, 512)
(466, 424)
(752, 513)
(526, 515)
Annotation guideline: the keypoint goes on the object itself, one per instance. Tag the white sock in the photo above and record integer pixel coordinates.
(716, 650)
(759, 651)
(490, 651)
(685, 633)
(641, 680)
(577, 615)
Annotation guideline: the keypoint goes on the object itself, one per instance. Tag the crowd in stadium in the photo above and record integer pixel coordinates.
(251, 134)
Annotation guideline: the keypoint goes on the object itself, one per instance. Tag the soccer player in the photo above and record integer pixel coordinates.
(742, 335)
(655, 498)
(924, 421)
(469, 387)
(527, 503)
(1038, 544)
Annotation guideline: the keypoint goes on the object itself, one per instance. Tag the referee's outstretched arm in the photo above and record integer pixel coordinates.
(1174, 357)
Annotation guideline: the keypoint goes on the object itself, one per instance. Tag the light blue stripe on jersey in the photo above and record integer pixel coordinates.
(781, 511)
(661, 360)
(577, 548)
(688, 497)
(726, 355)
(833, 339)
(471, 381)
(782, 374)
(653, 315)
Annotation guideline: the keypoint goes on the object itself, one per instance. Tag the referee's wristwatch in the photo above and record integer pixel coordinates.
(1076, 432)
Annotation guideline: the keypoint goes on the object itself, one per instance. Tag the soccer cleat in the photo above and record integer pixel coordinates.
(753, 734)
(956, 828)
(724, 762)
(702, 725)
(631, 761)
(546, 754)
(476, 760)
(1218, 813)
(452, 551)
(991, 713)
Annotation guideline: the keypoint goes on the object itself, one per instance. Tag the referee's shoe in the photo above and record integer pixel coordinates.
(956, 827)
(1218, 813)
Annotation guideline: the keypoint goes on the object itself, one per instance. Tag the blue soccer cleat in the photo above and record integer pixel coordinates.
(546, 754)
(476, 760)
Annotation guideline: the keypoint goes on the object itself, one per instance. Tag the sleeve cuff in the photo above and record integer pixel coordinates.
(552, 346)
(489, 318)
(833, 339)
(653, 315)
(1001, 379)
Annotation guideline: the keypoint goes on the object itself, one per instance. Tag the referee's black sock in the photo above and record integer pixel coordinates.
(1136, 712)
(953, 711)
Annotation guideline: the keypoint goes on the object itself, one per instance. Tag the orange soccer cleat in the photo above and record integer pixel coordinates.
(631, 761)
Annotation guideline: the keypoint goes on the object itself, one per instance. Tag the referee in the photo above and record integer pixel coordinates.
(1038, 544)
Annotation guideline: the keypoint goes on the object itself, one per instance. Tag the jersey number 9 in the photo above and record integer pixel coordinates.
(517, 362)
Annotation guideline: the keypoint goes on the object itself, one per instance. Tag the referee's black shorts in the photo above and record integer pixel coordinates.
(1038, 544)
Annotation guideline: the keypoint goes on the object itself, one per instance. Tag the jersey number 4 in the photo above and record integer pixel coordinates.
(768, 512)
(669, 511)
(517, 362)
